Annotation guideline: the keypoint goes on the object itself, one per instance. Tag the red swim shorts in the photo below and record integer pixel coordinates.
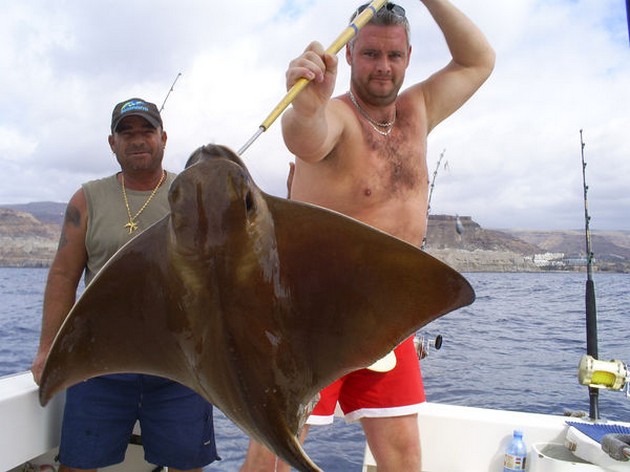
(368, 394)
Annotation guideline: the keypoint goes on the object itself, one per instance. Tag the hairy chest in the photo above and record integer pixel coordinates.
(389, 166)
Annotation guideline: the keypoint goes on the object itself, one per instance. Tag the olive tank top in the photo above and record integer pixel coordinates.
(107, 217)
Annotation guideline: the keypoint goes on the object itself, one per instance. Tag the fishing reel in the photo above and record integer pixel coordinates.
(611, 375)
(423, 346)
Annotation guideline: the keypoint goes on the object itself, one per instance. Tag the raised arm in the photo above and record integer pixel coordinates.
(63, 277)
(310, 127)
(471, 64)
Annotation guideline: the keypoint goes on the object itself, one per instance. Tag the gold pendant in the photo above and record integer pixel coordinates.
(132, 226)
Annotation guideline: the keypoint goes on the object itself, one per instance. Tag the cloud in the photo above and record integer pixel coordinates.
(513, 150)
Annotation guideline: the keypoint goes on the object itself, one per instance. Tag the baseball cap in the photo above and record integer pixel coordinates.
(137, 107)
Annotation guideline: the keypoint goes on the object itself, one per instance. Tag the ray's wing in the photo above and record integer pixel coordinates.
(121, 322)
(366, 291)
(347, 295)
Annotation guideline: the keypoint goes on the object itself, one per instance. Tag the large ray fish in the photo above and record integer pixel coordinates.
(253, 301)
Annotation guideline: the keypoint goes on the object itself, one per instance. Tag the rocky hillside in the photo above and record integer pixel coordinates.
(29, 236)
(26, 241)
(469, 247)
(466, 246)
(45, 212)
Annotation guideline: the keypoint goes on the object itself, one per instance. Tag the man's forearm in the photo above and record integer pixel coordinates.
(59, 297)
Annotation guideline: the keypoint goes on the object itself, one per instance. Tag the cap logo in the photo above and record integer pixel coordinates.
(134, 105)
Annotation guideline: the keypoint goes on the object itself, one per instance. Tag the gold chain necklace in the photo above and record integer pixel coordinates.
(132, 225)
(373, 123)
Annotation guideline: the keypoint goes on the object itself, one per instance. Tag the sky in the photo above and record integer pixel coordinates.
(511, 154)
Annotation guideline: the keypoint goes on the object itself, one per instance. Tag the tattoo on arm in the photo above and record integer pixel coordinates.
(72, 217)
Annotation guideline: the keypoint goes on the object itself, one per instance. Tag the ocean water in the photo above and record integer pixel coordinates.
(517, 348)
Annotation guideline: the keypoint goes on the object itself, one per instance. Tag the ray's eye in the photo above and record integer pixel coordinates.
(250, 205)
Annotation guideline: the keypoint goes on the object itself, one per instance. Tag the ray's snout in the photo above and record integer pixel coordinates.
(211, 198)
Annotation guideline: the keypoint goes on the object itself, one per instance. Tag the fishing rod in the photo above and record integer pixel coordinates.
(591, 309)
(346, 35)
(423, 346)
(169, 92)
(459, 227)
(437, 167)
(594, 373)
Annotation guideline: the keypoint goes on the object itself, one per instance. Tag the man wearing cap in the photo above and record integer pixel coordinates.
(99, 416)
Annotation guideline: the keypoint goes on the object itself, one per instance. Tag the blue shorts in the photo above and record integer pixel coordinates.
(100, 413)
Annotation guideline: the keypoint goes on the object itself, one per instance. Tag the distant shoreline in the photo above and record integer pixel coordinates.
(462, 261)
(29, 236)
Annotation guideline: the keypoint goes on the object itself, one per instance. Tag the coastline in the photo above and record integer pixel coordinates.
(30, 240)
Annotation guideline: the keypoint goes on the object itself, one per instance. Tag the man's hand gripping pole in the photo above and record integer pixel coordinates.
(353, 28)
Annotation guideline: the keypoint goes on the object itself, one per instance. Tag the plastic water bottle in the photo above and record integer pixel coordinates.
(516, 454)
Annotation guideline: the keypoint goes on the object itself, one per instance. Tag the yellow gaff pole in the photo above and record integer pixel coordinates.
(352, 29)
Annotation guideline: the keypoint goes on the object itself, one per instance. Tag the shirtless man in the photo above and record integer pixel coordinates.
(364, 154)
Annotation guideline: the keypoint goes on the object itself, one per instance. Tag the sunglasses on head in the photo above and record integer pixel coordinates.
(395, 9)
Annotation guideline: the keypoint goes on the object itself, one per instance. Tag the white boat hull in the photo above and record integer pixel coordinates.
(28, 429)
(453, 438)
(465, 439)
